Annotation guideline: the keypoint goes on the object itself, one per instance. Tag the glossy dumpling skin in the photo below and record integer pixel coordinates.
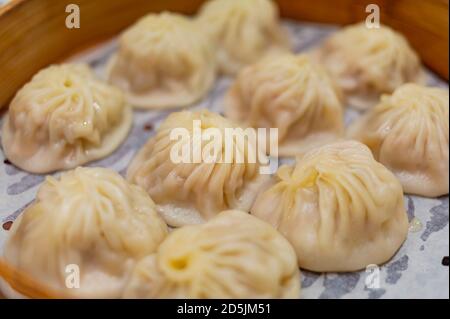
(244, 31)
(339, 208)
(191, 193)
(64, 117)
(90, 217)
(408, 133)
(291, 93)
(163, 61)
(369, 62)
(234, 255)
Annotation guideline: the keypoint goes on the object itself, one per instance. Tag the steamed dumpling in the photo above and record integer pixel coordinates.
(291, 93)
(90, 217)
(369, 62)
(244, 31)
(234, 255)
(191, 193)
(339, 208)
(163, 61)
(408, 133)
(64, 117)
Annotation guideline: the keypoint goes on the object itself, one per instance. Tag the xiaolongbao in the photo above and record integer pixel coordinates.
(368, 62)
(408, 133)
(338, 207)
(64, 117)
(234, 255)
(290, 93)
(91, 218)
(163, 61)
(243, 31)
(194, 189)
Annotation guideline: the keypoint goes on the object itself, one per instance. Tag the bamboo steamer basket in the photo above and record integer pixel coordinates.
(33, 35)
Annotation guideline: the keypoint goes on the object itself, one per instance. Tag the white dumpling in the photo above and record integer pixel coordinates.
(243, 30)
(89, 217)
(191, 193)
(339, 208)
(291, 93)
(369, 62)
(408, 133)
(234, 255)
(163, 61)
(64, 117)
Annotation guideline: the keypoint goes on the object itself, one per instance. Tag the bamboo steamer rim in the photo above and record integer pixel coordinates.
(27, 286)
